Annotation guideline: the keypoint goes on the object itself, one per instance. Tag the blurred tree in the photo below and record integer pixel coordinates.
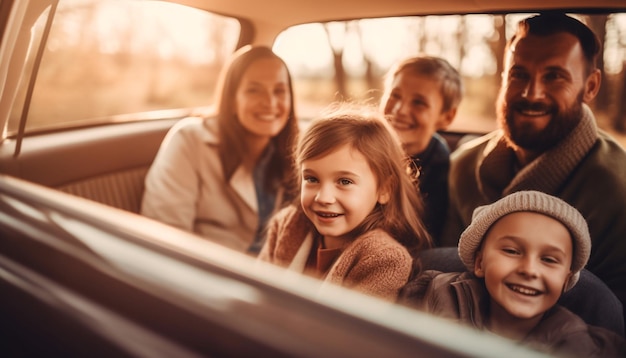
(368, 57)
(497, 43)
(603, 101)
(619, 119)
(336, 45)
(422, 37)
(461, 38)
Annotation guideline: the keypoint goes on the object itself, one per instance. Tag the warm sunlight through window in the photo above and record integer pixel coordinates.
(348, 60)
(107, 58)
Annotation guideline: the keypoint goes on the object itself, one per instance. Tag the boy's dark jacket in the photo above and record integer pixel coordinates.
(463, 297)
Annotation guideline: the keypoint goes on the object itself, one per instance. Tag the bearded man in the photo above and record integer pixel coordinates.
(548, 141)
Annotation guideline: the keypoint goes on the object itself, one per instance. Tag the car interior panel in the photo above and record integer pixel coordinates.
(89, 89)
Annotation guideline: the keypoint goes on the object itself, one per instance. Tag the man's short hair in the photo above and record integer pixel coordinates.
(550, 23)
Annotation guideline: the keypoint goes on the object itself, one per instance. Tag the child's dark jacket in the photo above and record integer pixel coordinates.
(464, 298)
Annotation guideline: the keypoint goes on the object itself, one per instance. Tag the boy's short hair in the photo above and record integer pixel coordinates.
(533, 201)
(436, 68)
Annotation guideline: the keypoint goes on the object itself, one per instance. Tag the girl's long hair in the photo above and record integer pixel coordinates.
(232, 148)
(366, 130)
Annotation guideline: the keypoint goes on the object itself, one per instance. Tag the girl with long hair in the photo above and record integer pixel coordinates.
(357, 222)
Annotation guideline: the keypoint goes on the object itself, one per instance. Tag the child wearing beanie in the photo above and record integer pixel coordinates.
(521, 252)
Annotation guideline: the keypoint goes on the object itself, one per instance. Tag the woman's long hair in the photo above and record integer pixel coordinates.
(366, 130)
(232, 147)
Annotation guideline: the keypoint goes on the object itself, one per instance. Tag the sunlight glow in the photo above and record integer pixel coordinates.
(384, 42)
(167, 30)
(305, 49)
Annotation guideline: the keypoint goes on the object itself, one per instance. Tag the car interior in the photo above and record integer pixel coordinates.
(61, 132)
(106, 159)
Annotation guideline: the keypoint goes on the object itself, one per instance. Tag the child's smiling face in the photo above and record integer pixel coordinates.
(415, 109)
(339, 190)
(525, 259)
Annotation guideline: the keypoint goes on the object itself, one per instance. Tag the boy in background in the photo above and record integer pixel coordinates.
(421, 97)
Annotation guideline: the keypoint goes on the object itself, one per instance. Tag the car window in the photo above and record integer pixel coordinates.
(106, 58)
(348, 60)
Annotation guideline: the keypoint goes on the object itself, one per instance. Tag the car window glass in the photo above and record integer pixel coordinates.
(348, 60)
(106, 58)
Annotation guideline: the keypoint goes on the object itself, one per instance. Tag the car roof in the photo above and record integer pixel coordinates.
(276, 15)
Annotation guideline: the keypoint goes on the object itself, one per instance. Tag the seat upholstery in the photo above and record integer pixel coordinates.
(122, 190)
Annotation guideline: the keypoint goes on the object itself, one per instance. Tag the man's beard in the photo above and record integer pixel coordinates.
(560, 126)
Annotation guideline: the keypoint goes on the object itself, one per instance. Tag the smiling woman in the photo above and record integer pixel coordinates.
(223, 176)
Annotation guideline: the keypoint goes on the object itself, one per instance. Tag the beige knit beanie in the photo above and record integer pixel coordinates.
(485, 216)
